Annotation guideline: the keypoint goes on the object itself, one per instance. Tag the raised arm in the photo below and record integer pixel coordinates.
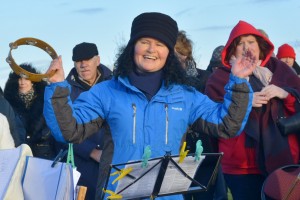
(66, 121)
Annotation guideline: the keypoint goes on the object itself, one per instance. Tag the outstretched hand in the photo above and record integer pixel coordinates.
(56, 67)
(244, 65)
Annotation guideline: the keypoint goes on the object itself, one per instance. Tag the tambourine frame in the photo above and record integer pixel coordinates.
(22, 72)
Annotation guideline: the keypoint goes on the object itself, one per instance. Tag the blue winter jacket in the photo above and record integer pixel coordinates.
(136, 122)
(87, 167)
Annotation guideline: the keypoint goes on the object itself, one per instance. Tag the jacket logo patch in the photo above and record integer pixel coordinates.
(176, 108)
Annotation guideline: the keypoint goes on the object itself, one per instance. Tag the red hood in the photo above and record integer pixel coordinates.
(243, 28)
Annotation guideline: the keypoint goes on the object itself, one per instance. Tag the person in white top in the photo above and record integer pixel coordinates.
(6, 139)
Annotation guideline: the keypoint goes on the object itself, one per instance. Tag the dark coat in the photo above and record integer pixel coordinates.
(16, 127)
(218, 188)
(38, 135)
(85, 164)
(261, 132)
(296, 67)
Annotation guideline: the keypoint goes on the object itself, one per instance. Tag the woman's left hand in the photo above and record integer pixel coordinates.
(243, 65)
(272, 91)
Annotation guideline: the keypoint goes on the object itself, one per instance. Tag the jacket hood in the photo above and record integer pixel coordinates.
(244, 28)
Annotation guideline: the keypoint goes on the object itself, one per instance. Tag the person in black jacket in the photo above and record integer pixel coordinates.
(215, 60)
(197, 78)
(87, 72)
(16, 127)
(27, 99)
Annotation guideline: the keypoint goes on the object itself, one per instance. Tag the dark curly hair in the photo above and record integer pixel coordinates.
(28, 67)
(173, 72)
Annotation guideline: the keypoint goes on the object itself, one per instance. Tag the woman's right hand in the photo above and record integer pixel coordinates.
(259, 99)
(56, 68)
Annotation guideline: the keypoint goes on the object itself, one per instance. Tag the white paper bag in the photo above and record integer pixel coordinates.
(12, 163)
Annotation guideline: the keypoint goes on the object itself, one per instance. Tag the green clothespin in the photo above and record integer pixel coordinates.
(146, 156)
(70, 158)
(199, 150)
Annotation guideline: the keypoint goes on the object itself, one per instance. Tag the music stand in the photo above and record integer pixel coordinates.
(155, 179)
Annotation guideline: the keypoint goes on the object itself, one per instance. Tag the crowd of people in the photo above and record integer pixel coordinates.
(156, 96)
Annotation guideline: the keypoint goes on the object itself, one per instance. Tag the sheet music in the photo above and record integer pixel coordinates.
(142, 187)
(174, 180)
(76, 176)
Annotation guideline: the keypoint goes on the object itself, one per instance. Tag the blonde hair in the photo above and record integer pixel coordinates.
(184, 45)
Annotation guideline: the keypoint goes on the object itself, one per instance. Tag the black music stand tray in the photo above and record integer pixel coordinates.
(160, 167)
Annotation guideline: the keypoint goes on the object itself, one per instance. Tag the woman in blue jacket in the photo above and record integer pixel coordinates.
(148, 101)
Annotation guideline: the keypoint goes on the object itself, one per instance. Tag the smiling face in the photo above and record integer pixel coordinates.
(150, 55)
(247, 43)
(87, 69)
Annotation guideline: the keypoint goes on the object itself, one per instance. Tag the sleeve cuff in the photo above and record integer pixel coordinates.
(289, 100)
(237, 79)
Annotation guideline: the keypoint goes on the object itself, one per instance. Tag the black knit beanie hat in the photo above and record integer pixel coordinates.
(156, 25)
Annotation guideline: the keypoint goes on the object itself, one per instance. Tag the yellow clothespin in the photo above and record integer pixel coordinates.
(122, 173)
(112, 195)
(183, 153)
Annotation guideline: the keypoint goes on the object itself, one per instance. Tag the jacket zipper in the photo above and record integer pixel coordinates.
(167, 122)
(134, 123)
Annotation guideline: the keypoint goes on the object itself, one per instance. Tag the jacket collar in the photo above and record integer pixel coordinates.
(172, 93)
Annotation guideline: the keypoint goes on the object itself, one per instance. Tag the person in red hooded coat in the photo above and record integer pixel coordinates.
(261, 148)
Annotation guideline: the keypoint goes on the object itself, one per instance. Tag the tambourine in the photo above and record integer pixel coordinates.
(22, 72)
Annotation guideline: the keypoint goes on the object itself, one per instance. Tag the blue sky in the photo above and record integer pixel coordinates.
(65, 23)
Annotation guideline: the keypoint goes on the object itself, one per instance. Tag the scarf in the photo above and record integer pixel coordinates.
(147, 82)
(27, 98)
(263, 74)
(84, 83)
(191, 69)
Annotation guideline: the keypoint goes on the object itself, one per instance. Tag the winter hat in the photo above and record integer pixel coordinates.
(84, 51)
(216, 55)
(286, 51)
(216, 58)
(156, 25)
